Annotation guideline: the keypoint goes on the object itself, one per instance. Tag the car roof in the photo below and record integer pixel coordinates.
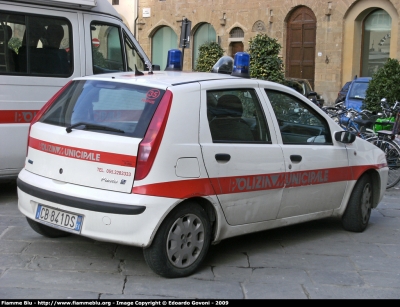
(362, 79)
(161, 79)
(165, 79)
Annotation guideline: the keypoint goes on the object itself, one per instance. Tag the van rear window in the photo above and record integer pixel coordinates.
(105, 107)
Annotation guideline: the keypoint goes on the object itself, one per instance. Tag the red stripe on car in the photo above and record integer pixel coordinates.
(17, 116)
(82, 153)
(251, 183)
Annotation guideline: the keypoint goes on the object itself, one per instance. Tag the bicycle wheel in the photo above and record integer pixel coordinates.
(392, 153)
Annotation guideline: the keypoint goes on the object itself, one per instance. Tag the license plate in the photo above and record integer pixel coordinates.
(67, 220)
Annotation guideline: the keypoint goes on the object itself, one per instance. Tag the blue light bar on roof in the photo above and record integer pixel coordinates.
(174, 60)
(241, 65)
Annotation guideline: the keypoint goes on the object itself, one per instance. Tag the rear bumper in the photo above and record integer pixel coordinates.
(79, 203)
(109, 216)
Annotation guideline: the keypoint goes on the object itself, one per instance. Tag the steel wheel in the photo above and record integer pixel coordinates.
(185, 240)
(181, 243)
(358, 210)
(366, 204)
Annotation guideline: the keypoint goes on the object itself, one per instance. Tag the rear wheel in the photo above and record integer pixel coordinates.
(46, 230)
(358, 211)
(392, 154)
(181, 242)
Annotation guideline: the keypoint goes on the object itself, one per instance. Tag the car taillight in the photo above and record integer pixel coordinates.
(148, 147)
(40, 113)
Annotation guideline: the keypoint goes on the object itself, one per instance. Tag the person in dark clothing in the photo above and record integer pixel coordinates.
(7, 62)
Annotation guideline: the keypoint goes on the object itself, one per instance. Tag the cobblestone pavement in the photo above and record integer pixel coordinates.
(314, 260)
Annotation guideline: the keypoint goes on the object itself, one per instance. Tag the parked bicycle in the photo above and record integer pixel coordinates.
(379, 129)
(386, 141)
(358, 122)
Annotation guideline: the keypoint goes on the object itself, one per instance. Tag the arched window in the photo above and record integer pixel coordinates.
(163, 40)
(236, 33)
(205, 33)
(376, 42)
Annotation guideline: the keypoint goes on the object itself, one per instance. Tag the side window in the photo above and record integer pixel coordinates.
(133, 57)
(35, 45)
(106, 48)
(298, 122)
(235, 116)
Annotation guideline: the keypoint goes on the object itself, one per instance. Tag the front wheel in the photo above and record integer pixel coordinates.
(358, 211)
(181, 243)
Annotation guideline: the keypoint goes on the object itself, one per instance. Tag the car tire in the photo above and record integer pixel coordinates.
(46, 230)
(181, 243)
(358, 211)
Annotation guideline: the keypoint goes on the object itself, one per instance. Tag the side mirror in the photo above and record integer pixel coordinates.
(345, 137)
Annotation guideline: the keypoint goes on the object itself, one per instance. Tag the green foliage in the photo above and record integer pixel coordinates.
(98, 59)
(384, 84)
(265, 63)
(14, 43)
(209, 54)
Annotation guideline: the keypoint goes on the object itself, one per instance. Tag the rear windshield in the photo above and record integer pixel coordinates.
(105, 107)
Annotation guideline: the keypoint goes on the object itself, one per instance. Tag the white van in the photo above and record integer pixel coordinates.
(43, 45)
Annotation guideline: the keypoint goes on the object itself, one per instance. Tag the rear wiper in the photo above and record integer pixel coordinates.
(90, 126)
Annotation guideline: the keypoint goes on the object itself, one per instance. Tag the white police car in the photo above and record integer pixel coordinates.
(173, 162)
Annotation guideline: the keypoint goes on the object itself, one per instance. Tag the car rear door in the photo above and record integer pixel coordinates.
(241, 154)
(91, 134)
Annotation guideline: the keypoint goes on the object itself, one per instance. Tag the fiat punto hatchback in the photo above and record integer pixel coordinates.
(173, 162)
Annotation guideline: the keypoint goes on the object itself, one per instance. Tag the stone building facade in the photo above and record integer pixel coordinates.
(328, 42)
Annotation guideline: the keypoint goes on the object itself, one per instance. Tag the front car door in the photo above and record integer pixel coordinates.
(110, 46)
(316, 166)
(240, 151)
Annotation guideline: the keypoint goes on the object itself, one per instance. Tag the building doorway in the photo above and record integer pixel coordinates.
(236, 47)
(300, 44)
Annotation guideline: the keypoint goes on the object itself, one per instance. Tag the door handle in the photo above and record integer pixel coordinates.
(222, 157)
(295, 158)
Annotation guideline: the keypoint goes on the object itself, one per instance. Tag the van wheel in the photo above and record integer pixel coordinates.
(181, 243)
(358, 210)
(46, 230)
